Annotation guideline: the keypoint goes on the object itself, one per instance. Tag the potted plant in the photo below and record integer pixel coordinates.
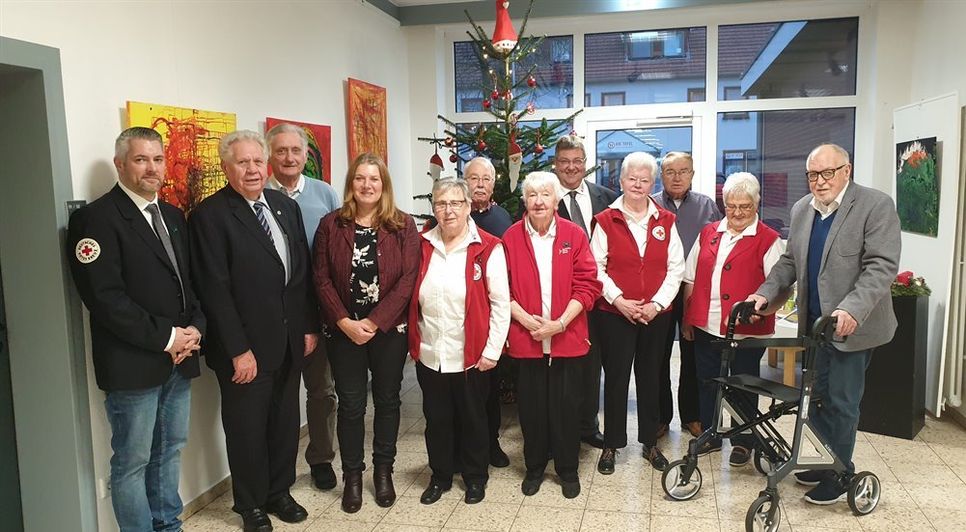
(895, 383)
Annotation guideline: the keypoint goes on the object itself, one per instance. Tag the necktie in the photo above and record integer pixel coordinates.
(262, 219)
(576, 216)
(163, 236)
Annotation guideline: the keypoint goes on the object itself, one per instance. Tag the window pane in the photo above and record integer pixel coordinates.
(614, 144)
(787, 59)
(646, 66)
(468, 152)
(554, 74)
(773, 146)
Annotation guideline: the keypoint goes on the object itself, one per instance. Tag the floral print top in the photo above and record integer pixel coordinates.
(364, 280)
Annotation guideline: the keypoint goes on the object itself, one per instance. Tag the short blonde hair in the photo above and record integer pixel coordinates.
(741, 183)
(538, 180)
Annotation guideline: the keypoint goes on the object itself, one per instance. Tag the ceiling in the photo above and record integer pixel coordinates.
(420, 12)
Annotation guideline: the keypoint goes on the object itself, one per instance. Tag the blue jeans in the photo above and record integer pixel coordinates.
(149, 428)
(840, 383)
(708, 363)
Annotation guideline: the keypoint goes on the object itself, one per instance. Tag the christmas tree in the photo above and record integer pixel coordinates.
(508, 91)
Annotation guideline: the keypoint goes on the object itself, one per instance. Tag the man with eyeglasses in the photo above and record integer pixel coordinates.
(580, 201)
(693, 211)
(843, 251)
(480, 176)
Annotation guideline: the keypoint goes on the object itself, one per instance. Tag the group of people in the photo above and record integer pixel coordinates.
(276, 278)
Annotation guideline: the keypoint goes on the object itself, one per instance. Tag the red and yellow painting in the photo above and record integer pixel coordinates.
(319, 154)
(366, 117)
(192, 166)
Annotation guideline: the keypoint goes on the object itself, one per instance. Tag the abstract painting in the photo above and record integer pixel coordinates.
(192, 166)
(318, 159)
(917, 186)
(366, 117)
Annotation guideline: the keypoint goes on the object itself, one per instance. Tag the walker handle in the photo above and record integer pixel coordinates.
(740, 313)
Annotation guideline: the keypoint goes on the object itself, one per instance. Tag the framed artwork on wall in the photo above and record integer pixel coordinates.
(366, 124)
(192, 166)
(917, 186)
(318, 160)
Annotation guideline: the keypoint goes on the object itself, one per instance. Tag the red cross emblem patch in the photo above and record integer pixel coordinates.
(87, 250)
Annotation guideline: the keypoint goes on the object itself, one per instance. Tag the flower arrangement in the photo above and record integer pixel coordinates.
(907, 284)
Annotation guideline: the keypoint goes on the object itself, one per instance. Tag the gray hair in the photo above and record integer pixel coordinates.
(639, 159)
(481, 160)
(444, 185)
(285, 127)
(538, 180)
(828, 145)
(672, 156)
(123, 142)
(570, 142)
(224, 146)
(741, 183)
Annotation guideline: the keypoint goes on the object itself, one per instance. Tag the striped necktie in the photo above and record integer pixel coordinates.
(262, 219)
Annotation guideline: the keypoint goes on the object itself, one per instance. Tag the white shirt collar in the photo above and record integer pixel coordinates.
(261, 198)
(435, 237)
(564, 191)
(751, 230)
(299, 185)
(139, 202)
(551, 232)
(836, 203)
(619, 205)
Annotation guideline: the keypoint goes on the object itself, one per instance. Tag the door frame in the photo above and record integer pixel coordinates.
(44, 317)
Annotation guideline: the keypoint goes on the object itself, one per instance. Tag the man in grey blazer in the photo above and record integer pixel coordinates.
(580, 201)
(843, 251)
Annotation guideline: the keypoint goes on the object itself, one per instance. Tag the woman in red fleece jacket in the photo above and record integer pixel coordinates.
(553, 283)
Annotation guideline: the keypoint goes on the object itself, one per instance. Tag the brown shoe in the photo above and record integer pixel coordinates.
(351, 491)
(694, 427)
(661, 431)
(382, 479)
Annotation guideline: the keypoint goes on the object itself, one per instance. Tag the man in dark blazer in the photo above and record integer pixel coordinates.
(252, 265)
(580, 200)
(129, 259)
(843, 251)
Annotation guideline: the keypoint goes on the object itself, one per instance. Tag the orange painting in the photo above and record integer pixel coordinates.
(366, 117)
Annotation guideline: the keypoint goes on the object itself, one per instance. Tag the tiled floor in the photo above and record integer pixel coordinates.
(923, 488)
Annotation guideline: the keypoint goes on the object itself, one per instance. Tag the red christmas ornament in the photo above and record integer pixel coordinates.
(448, 141)
(532, 82)
(508, 95)
(538, 149)
(453, 158)
(480, 146)
(495, 95)
(486, 104)
(531, 108)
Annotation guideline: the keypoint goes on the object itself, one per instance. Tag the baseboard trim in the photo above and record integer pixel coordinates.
(956, 416)
(219, 489)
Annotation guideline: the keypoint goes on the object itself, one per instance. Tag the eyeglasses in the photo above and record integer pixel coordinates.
(744, 207)
(453, 205)
(568, 162)
(675, 173)
(637, 180)
(480, 179)
(826, 174)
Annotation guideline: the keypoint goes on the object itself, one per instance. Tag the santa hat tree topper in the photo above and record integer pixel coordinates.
(504, 38)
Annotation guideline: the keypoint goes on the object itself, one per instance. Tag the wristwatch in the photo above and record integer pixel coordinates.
(660, 307)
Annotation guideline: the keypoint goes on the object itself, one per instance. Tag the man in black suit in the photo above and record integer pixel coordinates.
(129, 259)
(580, 201)
(252, 265)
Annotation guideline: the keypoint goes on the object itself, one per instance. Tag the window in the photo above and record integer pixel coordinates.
(796, 59)
(773, 145)
(656, 44)
(612, 98)
(648, 67)
(554, 73)
(587, 100)
(696, 95)
(612, 145)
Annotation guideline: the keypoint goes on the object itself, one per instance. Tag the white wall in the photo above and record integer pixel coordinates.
(280, 59)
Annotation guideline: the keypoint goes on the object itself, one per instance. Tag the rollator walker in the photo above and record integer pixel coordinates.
(773, 456)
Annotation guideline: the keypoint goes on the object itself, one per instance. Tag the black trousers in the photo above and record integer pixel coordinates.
(493, 415)
(627, 344)
(384, 357)
(688, 409)
(549, 391)
(456, 402)
(746, 362)
(261, 423)
(590, 405)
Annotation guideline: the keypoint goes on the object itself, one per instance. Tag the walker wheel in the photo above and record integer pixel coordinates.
(864, 492)
(764, 515)
(672, 480)
(763, 463)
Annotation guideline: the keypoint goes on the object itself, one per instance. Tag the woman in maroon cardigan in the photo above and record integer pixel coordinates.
(366, 260)
(729, 261)
(553, 283)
